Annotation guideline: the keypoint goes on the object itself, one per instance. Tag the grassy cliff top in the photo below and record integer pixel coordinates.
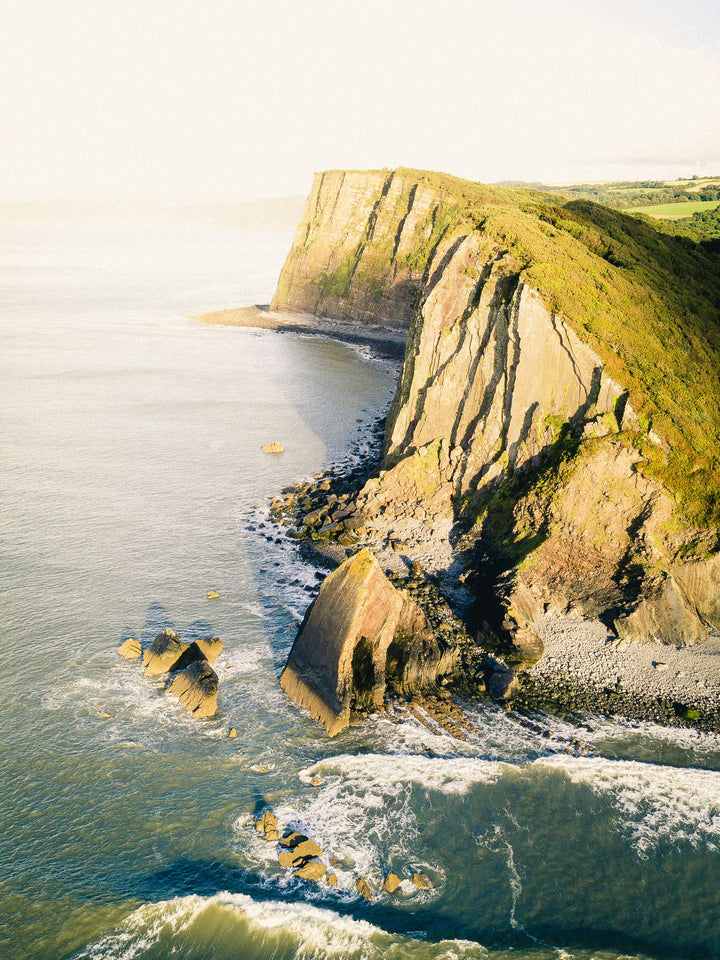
(647, 300)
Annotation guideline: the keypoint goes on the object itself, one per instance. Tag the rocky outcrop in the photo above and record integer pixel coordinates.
(162, 653)
(196, 687)
(360, 638)
(354, 256)
(193, 681)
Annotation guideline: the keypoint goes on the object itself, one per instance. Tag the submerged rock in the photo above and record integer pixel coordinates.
(196, 687)
(360, 635)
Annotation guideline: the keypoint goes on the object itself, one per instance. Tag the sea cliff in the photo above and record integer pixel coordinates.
(551, 447)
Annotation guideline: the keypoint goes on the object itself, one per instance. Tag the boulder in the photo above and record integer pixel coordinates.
(503, 683)
(130, 649)
(363, 888)
(359, 635)
(291, 840)
(267, 826)
(196, 687)
(211, 647)
(162, 653)
(392, 882)
(312, 870)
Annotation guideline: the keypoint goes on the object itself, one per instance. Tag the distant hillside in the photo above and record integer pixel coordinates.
(274, 213)
(623, 195)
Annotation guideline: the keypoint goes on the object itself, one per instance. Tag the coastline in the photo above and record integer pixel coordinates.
(387, 341)
(583, 667)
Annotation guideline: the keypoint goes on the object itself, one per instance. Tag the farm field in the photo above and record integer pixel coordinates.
(675, 211)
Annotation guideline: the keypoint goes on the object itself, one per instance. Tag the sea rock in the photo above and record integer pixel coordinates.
(211, 647)
(392, 882)
(312, 870)
(292, 839)
(360, 634)
(162, 653)
(273, 448)
(130, 649)
(196, 687)
(363, 888)
(332, 880)
(212, 595)
(192, 654)
(422, 881)
(267, 825)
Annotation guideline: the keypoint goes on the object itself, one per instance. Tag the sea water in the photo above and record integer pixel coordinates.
(131, 483)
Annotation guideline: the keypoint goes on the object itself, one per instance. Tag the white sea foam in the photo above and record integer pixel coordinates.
(653, 803)
(363, 814)
(236, 925)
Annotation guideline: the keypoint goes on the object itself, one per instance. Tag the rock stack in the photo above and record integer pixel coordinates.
(191, 678)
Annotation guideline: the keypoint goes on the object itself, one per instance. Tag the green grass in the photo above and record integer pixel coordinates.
(675, 211)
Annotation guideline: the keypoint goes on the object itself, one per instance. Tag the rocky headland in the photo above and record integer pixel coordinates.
(549, 464)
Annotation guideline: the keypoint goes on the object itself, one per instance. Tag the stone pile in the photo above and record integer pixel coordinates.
(190, 677)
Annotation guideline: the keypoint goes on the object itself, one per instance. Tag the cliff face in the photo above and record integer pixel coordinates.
(520, 434)
(353, 256)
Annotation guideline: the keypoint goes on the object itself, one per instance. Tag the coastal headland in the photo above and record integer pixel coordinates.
(549, 461)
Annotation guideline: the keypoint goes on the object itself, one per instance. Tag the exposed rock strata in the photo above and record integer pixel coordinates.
(508, 448)
(360, 637)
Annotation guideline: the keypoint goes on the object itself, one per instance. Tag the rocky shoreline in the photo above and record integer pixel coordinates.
(387, 342)
(583, 667)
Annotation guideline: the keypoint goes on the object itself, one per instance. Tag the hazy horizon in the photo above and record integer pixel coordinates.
(221, 102)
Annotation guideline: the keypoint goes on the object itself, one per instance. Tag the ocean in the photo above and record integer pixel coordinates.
(131, 483)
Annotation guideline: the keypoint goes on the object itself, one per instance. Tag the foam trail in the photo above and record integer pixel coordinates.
(653, 803)
(234, 925)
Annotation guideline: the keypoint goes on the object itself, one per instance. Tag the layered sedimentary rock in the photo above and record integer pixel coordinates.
(506, 427)
(353, 256)
(360, 638)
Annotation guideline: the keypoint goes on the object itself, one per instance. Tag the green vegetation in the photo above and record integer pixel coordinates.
(643, 193)
(645, 295)
(676, 211)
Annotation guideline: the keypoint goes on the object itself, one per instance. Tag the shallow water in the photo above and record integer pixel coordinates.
(130, 466)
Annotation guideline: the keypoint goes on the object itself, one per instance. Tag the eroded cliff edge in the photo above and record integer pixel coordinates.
(553, 441)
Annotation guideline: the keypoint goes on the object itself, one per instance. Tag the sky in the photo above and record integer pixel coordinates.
(206, 100)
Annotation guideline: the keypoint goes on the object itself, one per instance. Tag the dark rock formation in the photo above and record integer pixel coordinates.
(162, 653)
(359, 637)
(196, 687)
